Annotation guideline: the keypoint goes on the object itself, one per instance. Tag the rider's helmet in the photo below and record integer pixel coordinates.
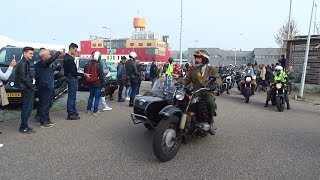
(203, 54)
(133, 55)
(96, 55)
(278, 69)
(170, 60)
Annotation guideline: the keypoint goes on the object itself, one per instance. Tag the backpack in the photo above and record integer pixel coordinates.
(92, 68)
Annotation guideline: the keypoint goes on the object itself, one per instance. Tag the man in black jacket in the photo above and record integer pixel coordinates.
(45, 85)
(122, 77)
(71, 74)
(154, 72)
(24, 81)
(283, 62)
(95, 87)
(133, 75)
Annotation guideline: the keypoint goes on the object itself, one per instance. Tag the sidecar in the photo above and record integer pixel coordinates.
(146, 108)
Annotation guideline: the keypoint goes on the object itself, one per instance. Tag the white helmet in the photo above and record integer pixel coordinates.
(133, 55)
(278, 68)
(96, 55)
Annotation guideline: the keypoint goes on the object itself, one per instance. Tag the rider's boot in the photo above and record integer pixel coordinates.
(213, 129)
(288, 106)
(266, 105)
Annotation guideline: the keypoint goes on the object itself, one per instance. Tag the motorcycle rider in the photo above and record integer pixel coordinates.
(199, 76)
(249, 71)
(278, 75)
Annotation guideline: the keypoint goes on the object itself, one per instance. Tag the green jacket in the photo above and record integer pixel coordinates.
(198, 81)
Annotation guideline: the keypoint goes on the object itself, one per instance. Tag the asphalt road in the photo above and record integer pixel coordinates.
(252, 142)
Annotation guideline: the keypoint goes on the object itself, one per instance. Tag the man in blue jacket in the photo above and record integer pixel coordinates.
(45, 85)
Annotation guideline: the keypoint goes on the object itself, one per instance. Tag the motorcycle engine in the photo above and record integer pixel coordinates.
(203, 112)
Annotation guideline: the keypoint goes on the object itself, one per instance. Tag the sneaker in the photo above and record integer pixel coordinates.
(73, 117)
(130, 105)
(96, 113)
(76, 114)
(107, 108)
(27, 131)
(127, 98)
(51, 123)
(121, 100)
(89, 112)
(45, 125)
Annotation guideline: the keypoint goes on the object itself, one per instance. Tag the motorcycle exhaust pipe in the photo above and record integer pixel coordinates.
(183, 121)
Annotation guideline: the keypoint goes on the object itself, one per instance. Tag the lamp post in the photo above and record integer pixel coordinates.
(289, 22)
(181, 33)
(305, 63)
(110, 52)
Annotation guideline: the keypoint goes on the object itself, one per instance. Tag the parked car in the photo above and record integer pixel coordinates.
(113, 72)
(14, 94)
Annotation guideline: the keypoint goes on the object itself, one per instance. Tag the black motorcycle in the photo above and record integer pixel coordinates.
(174, 112)
(278, 96)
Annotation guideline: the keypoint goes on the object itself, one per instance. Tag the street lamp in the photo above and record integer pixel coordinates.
(104, 27)
(181, 32)
(306, 54)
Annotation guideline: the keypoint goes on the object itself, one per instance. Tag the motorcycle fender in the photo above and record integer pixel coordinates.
(170, 110)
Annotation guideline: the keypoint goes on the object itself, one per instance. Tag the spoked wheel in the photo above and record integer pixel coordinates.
(280, 103)
(166, 141)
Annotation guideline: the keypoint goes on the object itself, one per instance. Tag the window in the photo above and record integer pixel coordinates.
(99, 45)
(82, 45)
(94, 45)
(148, 44)
(118, 58)
(122, 51)
(140, 44)
(107, 57)
(131, 44)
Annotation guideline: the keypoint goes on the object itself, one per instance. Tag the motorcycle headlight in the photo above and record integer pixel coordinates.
(180, 95)
(278, 85)
(248, 79)
(11, 84)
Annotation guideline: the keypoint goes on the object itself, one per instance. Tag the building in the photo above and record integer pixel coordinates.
(295, 57)
(266, 55)
(147, 44)
(238, 57)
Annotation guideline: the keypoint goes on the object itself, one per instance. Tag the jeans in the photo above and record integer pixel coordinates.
(45, 99)
(128, 91)
(138, 90)
(27, 106)
(153, 80)
(72, 83)
(134, 92)
(95, 93)
(121, 87)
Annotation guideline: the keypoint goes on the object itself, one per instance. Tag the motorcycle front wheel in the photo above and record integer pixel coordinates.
(280, 103)
(166, 141)
(247, 95)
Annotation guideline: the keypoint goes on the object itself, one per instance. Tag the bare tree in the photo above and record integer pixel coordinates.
(283, 34)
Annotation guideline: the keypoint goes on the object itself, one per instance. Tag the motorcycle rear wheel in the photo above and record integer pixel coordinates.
(166, 142)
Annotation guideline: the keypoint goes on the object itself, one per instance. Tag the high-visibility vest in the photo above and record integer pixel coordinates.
(169, 69)
(281, 77)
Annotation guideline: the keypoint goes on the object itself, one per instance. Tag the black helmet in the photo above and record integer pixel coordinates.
(203, 54)
(170, 59)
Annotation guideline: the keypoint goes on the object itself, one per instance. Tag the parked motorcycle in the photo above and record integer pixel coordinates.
(278, 97)
(174, 112)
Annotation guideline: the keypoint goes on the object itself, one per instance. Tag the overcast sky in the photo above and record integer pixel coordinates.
(213, 23)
